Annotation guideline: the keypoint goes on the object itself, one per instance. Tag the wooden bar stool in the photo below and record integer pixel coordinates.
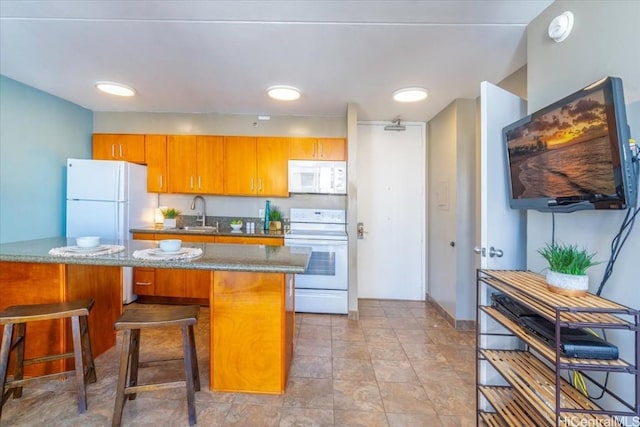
(130, 323)
(15, 319)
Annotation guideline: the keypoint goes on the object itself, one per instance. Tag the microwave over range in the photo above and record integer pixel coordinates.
(317, 177)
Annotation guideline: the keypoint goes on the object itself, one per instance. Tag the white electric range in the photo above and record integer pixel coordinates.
(324, 288)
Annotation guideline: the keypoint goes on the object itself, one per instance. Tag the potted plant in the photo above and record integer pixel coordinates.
(567, 273)
(275, 218)
(170, 216)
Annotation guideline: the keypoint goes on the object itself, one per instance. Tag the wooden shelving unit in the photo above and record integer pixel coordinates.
(533, 391)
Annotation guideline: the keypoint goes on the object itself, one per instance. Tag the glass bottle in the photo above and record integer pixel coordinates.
(267, 214)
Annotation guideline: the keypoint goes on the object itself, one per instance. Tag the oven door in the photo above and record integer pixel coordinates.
(327, 267)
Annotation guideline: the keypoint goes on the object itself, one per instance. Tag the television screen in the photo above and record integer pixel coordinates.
(573, 154)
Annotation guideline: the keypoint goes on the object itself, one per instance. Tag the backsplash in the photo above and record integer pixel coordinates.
(248, 207)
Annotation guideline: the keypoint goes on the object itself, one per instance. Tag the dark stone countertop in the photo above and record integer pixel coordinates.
(228, 257)
(222, 231)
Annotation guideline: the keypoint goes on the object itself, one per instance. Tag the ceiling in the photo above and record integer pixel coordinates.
(220, 56)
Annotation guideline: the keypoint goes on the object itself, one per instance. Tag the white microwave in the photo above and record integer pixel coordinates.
(317, 177)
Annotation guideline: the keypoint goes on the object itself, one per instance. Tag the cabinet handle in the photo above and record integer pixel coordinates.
(161, 182)
(120, 145)
(260, 185)
(199, 181)
(191, 182)
(321, 149)
(113, 151)
(144, 283)
(252, 187)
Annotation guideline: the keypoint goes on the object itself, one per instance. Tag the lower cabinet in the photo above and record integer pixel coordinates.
(192, 284)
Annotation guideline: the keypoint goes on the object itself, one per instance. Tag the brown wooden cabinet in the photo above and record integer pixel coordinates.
(195, 164)
(156, 156)
(317, 149)
(130, 148)
(256, 166)
(244, 240)
(144, 281)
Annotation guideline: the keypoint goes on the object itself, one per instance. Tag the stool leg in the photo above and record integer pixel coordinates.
(195, 370)
(122, 378)
(79, 364)
(188, 371)
(134, 350)
(18, 370)
(90, 366)
(7, 337)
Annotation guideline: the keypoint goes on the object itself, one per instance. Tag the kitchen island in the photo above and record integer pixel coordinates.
(251, 301)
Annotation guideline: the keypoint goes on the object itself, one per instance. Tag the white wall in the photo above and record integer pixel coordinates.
(452, 194)
(604, 42)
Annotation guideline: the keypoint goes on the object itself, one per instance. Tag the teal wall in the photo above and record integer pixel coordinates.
(38, 132)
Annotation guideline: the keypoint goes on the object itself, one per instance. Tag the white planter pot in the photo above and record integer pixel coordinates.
(567, 284)
(169, 223)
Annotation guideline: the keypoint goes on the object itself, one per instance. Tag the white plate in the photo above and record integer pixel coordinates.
(160, 252)
(78, 249)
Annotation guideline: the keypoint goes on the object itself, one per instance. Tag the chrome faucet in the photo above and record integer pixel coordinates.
(204, 209)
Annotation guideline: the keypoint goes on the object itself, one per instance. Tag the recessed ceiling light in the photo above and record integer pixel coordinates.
(410, 94)
(284, 93)
(114, 88)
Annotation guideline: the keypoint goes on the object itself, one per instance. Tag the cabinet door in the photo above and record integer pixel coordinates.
(197, 283)
(332, 149)
(272, 166)
(303, 148)
(271, 241)
(132, 148)
(119, 147)
(144, 281)
(170, 283)
(156, 148)
(210, 164)
(240, 165)
(181, 163)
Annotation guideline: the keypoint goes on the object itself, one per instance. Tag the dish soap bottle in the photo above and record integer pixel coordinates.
(267, 214)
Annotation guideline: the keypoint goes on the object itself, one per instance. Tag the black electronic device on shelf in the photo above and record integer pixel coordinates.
(574, 342)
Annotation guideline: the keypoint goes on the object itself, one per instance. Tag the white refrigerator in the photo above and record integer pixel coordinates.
(107, 198)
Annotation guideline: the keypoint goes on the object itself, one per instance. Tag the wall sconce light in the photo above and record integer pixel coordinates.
(561, 26)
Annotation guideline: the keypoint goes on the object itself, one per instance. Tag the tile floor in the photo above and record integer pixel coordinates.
(401, 364)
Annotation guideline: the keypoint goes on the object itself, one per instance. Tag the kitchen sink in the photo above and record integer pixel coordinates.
(204, 229)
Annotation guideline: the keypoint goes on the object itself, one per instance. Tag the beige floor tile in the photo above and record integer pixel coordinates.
(401, 356)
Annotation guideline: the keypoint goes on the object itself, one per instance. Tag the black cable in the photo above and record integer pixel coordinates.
(553, 228)
(618, 241)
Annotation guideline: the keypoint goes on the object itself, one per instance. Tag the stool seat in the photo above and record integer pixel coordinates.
(157, 317)
(14, 320)
(34, 312)
(129, 325)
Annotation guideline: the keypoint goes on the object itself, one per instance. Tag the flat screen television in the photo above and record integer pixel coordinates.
(573, 154)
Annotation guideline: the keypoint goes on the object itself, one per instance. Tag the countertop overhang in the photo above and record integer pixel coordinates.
(225, 257)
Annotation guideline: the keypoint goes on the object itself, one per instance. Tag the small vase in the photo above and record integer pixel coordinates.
(567, 284)
(275, 225)
(169, 222)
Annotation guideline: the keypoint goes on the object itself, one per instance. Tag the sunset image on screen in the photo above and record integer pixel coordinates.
(563, 153)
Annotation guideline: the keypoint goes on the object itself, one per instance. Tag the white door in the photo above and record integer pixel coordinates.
(391, 207)
(502, 229)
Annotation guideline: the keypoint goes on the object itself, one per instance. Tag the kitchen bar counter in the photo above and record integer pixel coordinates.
(251, 303)
(223, 257)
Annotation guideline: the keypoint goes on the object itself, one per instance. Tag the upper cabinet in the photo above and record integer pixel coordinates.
(256, 166)
(195, 164)
(130, 148)
(156, 148)
(317, 149)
